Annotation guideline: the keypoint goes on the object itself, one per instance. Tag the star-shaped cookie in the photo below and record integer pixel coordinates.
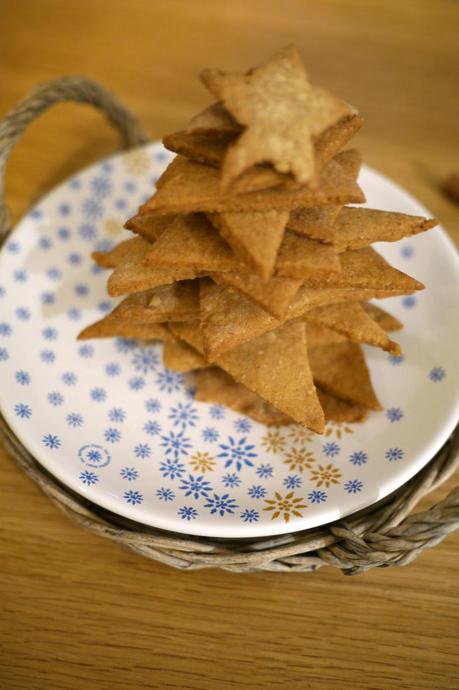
(282, 113)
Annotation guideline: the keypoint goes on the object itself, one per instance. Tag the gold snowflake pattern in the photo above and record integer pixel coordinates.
(299, 434)
(202, 462)
(325, 476)
(113, 227)
(338, 428)
(299, 459)
(136, 162)
(273, 441)
(285, 506)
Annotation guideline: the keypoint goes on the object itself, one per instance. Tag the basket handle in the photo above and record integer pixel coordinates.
(77, 89)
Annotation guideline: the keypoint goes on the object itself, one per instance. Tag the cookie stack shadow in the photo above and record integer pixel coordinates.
(249, 262)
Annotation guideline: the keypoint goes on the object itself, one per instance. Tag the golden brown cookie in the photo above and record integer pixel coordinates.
(275, 366)
(281, 113)
(187, 187)
(176, 302)
(340, 369)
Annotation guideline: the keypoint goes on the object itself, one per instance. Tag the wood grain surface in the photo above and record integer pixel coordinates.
(78, 612)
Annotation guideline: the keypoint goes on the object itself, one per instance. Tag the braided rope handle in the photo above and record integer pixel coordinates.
(77, 89)
(383, 535)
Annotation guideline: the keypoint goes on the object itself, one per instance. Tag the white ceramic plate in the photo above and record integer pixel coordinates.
(109, 421)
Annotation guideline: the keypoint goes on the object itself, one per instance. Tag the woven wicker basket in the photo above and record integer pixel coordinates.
(386, 534)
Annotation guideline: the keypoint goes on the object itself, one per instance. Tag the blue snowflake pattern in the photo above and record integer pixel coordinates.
(101, 186)
(74, 258)
(394, 414)
(165, 494)
(137, 383)
(94, 455)
(112, 435)
(53, 273)
(396, 360)
(13, 247)
(49, 333)
(92, 209)
(238, 452)
(437, 374)
(86, 351)
(407, 251)
(169, 381)
(75, 183)
(96, 269)
(152, 428)
(142, 451)
(134, 498)
(51, 441)
(250, 515)
(23, 411)
(190, 392)
(81, 290)
(292, 481)
(112, 369)
(187, 513)
(217, 411)
(409, 302)
(129, 473)
(358, 457)
(2, 291)
(145, 360)
(256, 491)
(353, 486)
(129, 187)
(231, 480)
(64, 209)
(36, 213)
(104, 245)
(23, 378)
(394, 454)
(221, 505)
(183, 415)
(196, 486)
(20, 276)
(64, 234)
(242, 426)
(22, 314)
(331, 449)
(69, 378)
(55, 399)
(176, 443)
(104, 306)
(210, 434)
(172, 468)
(120, 204)
(125, 345)
(74, 419)
(265, 471)
(152, 405)
(44, 243)
(3, 354)
(117, 415)
(317, 496)
(74, 314)
(5, 329)
(98, 394)
(47, 297)
(89, 478)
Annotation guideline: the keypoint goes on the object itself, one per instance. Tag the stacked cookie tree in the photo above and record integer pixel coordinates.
(248, 261)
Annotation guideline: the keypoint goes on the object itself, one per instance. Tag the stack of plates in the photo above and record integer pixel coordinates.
(111, 423)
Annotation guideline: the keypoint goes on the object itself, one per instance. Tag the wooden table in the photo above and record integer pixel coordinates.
(81, 612)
